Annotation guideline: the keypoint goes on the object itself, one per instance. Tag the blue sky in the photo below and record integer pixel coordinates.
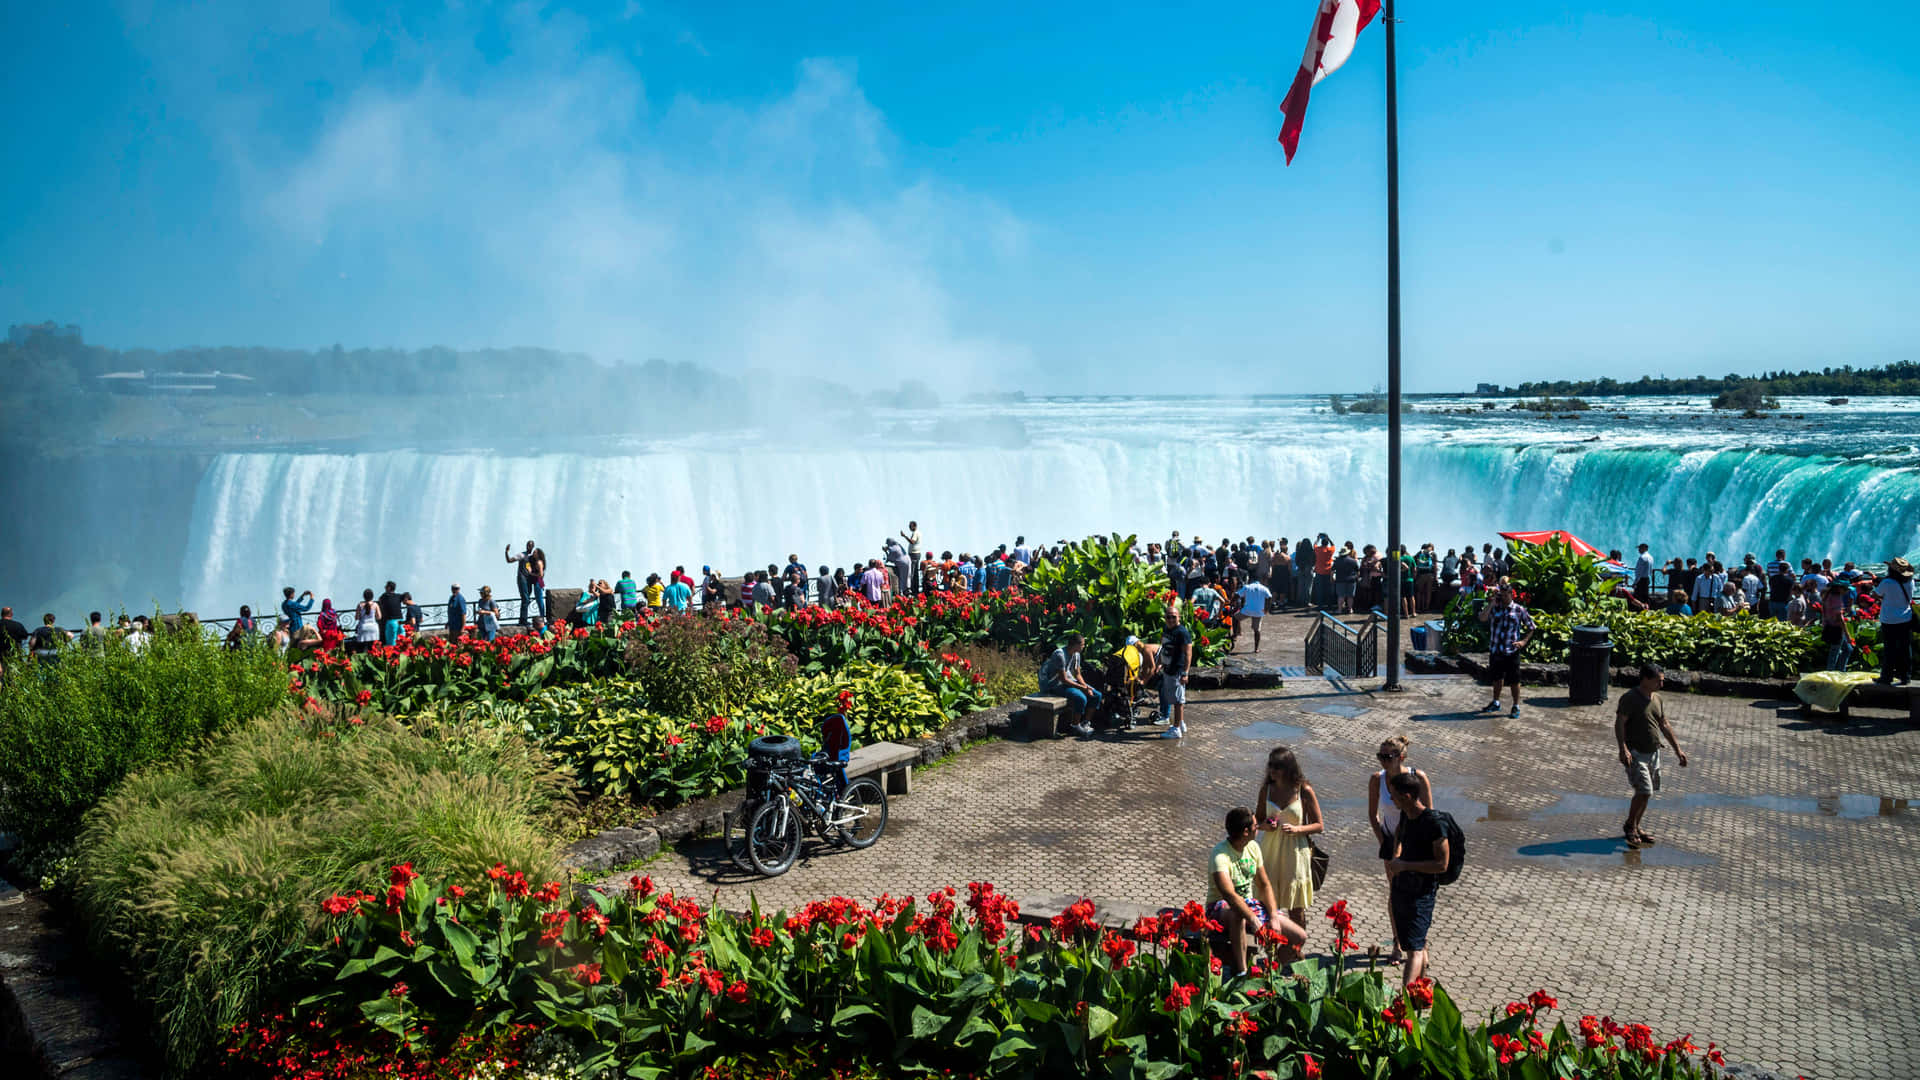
(1058, 197)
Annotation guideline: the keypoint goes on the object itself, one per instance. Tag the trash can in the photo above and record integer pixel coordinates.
(1591, 663)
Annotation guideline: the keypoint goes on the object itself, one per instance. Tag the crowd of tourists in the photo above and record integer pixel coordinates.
(1242, 580)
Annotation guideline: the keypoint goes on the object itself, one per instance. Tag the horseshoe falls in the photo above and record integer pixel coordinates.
(1844, 485)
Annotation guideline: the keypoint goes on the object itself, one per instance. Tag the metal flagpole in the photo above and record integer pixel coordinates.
(1393, 361)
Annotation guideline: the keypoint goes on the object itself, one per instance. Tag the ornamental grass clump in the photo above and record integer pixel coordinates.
(198, 879)
(72, 729)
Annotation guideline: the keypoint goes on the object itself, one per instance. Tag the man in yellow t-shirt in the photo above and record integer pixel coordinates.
(1239, 896)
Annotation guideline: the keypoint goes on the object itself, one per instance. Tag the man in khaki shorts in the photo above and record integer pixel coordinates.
(1637, 727)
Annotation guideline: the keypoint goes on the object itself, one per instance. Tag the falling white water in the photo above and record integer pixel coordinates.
(338, 523)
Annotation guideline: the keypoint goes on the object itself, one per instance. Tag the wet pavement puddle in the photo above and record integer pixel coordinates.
(1599, 853)
(1271, 731)
(1851, 807)
(1350, 712)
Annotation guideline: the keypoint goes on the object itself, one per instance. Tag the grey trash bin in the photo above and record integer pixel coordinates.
(1591, 664)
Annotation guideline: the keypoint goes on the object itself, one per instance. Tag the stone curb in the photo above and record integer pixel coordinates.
(56, 1027)
(701, 817)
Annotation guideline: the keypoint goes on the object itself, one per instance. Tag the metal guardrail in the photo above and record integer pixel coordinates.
(1350, 651)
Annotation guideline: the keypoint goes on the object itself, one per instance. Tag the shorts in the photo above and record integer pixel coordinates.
(1643, 772)
(1412, 906)
(1389, 847)
(1223, 911)
(1504, 668)
(1345, 589)
(1172, 690)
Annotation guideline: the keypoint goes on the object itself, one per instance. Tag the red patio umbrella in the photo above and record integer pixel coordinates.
(1580, 547)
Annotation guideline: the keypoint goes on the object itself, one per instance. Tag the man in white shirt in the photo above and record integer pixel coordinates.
(1253, 598)
(1643, 576)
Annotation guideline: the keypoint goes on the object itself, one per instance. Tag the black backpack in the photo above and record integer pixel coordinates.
(1456, 849)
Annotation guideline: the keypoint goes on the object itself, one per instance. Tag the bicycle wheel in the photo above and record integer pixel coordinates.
(864, 810)
(773, 838)
(735, 836)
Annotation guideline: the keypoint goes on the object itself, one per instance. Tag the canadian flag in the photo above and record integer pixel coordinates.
(1336, 26)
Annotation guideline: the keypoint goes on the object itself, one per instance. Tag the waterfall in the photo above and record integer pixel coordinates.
(338, 523)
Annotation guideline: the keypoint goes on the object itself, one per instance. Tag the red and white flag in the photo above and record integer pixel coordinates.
(1336, 26)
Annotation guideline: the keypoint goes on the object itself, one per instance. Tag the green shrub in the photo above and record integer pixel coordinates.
(1738, 645)
(73, 729)
(698, 666)
(618, 746)
(196, 879)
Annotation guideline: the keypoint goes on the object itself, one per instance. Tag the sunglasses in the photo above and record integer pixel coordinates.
(1388, 757)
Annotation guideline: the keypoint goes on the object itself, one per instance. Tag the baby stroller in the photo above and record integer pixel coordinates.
(1125, 677)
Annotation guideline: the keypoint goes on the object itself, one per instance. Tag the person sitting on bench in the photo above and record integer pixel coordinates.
(1060, 677)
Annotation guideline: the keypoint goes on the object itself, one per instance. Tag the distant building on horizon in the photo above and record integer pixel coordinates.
(1487, 388)
(21, 333)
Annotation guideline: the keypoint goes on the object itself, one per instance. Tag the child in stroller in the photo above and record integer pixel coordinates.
(1126, 676)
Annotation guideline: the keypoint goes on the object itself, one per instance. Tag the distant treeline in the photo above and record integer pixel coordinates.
(59, 387)
(1894, 379)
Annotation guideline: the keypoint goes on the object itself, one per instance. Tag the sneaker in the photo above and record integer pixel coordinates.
(1515, 714)
(1083, 728)
(1491, 706)
(1170, 733)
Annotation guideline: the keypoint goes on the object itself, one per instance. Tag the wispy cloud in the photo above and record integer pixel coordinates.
(574, 208)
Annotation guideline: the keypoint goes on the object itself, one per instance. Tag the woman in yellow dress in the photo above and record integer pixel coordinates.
(1289, 814)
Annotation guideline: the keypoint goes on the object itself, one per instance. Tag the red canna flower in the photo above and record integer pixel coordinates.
(1541, 1001)
(586, 973)
(1309, 1067)
(761, 938)
(1179, 997)
(737, 993)
(363, 696)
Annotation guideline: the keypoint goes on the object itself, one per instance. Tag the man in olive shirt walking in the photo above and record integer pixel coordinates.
(1637, 728)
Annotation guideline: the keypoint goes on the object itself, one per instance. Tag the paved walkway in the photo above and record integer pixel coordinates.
(1775, 917)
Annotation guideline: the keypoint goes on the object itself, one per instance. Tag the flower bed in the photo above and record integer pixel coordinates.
(647, 984)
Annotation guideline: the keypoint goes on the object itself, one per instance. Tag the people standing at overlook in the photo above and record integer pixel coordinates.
(1323, 556)
(1281, 572)
(1643, 575)
(713, 591)
(910, 582)
(13, 637)
(530, 575)
(293, 611)
(653, 592)
(366, 627)
(328, 621)
(628, 591)
(1835, 605)
(391, 611)
(873, 583)
(45, 641)
(1896, 623)
(456, 614)
(679, 595)
(487, 612)
(1346, 579)
(1426, 574)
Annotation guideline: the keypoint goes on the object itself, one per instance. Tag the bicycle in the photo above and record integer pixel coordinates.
(787, 801)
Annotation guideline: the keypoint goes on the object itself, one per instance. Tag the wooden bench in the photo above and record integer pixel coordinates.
(1042, 718)
(891, 762)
